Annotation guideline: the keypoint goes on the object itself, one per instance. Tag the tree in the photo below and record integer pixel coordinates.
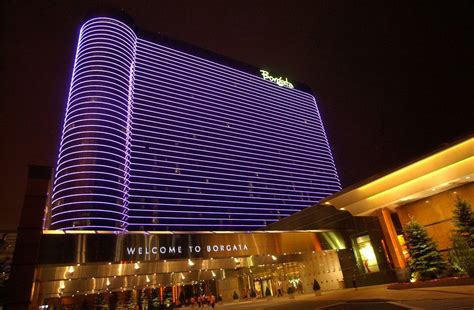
(463, 219)
(425, 260)
(461, 257)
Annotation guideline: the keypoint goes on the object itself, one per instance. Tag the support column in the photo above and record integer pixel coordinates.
(390, 235)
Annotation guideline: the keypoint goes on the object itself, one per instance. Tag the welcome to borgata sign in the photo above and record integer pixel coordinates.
(190, 249)
(277, 80)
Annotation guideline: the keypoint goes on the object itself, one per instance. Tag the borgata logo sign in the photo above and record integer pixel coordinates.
(277, 80)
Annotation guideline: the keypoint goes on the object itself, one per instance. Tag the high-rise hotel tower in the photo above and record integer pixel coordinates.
(158, 136)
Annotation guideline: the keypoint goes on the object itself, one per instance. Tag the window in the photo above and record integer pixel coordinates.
(365, 254)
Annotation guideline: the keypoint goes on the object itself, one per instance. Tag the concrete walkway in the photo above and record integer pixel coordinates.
(434, 298)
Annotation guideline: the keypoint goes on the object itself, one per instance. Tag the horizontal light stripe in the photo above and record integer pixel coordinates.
(197, 207)
(88, 203)
(268, 161)
(145, 72)
(206, 212)
(87, 218)
(278, 193)
(88, 210)
(210, 66)
(304, 144)
(224, 174)
(214, 182)
(198, 225)
(151, 132)
(58, 171)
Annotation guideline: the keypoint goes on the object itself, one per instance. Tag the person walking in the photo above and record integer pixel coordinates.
(279, 289)
(354, 283)
(212, 301)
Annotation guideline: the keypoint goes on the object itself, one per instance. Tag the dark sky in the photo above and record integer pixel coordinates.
(393, 79)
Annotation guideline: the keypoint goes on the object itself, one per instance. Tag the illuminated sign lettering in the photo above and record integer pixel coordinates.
(277, 80)
(210, 248)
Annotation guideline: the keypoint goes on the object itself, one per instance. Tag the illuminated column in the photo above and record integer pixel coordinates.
(91, 182)
(390, 235)
(316, 242)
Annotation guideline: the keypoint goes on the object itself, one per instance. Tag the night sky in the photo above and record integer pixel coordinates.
(393, 80)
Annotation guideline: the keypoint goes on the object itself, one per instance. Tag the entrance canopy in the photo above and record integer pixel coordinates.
(92, 262)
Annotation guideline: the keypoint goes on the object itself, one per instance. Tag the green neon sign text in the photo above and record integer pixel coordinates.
(277, 80)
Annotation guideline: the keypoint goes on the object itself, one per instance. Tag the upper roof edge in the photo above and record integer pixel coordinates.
(186, 47)
(377, 176)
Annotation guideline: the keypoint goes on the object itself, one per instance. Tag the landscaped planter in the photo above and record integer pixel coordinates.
(432, 283)
(403, 274)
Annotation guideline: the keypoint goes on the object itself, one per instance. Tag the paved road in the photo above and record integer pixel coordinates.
(373, 298)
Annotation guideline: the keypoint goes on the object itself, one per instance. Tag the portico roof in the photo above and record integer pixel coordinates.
(439, 171)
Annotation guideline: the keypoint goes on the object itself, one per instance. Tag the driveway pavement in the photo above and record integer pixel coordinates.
(371, 297)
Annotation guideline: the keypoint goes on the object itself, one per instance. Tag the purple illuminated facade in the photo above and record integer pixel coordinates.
(158, 138)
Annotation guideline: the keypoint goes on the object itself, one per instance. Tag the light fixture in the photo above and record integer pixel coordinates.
(107, 282)
(190, 262)
(70, 270)
(213, 273)
(274, 257)
(137, 266)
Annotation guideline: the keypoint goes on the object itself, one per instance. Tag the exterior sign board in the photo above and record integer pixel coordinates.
(84, 248)
(277, 80)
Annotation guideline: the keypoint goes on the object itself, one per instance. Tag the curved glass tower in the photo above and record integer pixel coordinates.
(162, 137)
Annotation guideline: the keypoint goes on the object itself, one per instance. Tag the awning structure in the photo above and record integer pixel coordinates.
(442, 170)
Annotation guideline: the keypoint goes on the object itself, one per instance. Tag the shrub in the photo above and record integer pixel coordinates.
(461, 257)
(425, 260)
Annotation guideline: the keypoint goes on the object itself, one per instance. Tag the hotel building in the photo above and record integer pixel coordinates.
(183, 173)
(161, 137)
